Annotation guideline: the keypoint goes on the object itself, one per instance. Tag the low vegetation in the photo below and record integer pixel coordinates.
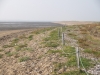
(71, 61)
(74, 73)
(30, 37)
(1, 55)
(1, 50)
(90, 41)
(10, 53)
(87, 37)
(42, 30)
(52, 40)
(20, 47)
(15, 40)
(22, 59)
(88, 63)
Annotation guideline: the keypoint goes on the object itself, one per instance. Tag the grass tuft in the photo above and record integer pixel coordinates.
(1, 55)
(74, 73)
(30, 37)
(11, 53)
(22, 59)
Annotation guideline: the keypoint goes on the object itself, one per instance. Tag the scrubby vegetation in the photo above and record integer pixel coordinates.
(90, 40)
(43, 47)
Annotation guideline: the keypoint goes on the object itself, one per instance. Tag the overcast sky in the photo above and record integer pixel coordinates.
(49, 10)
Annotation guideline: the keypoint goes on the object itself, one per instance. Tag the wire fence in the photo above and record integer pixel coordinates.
(67, 41)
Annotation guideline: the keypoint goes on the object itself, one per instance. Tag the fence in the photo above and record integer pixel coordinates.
(79, 55)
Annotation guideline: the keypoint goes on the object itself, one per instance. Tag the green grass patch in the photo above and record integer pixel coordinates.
(74, 73)
(22, 59)
(17, 48)
(1, 55)
(58, 66)
(69, 49)
(52, 40)
(87, 63)
(10, 53)
(15, 40)
(54, 35)
(94, 52)
(30, 37)
(66, 52)
(71, 62)
(69, 52)
(5, 46)
(71, 58)
(10, 45)
(54, 51)
(51, 44)
(20, 47)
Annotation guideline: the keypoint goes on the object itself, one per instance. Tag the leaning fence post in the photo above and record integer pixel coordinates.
(77, 56)
(63, 41)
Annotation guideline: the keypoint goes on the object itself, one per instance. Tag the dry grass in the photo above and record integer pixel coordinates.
(90, 40)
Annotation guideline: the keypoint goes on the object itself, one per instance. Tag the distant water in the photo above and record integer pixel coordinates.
(22, 25)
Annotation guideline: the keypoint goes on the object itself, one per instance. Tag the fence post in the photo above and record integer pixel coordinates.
(59, 33)
(77, 56)
(63, 41)
(61, 28)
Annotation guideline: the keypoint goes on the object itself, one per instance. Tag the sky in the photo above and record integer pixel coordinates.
(49, 10)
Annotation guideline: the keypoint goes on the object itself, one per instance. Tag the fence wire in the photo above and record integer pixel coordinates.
(71, 42)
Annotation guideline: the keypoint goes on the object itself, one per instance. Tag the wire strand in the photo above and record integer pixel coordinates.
(83, 66)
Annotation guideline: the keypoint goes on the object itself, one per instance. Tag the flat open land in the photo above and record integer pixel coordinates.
(75, 22)
(44, 51)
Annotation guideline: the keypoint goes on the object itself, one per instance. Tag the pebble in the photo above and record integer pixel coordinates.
(95, 70)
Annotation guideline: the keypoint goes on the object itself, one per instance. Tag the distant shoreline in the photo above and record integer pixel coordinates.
(25, 25)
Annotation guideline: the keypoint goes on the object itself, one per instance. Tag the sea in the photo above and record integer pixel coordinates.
(25, 25)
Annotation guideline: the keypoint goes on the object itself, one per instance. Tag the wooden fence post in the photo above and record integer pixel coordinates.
(58, 33)
(77, 56)
(61, 28)
(63, 41)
